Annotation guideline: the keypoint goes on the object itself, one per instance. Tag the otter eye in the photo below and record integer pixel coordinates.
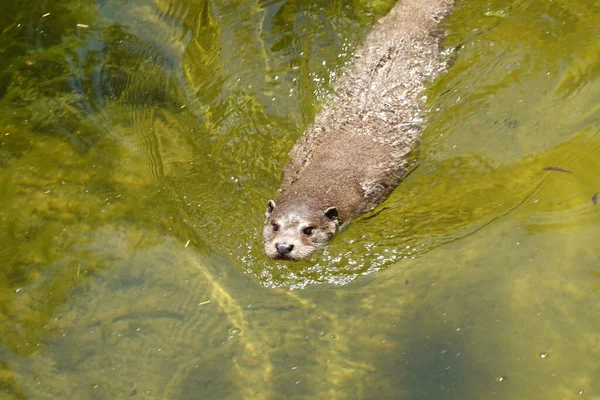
(275, 227)
(308, 231)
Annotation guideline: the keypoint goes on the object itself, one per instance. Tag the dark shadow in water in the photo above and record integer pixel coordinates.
(211, 380)
(437, 363)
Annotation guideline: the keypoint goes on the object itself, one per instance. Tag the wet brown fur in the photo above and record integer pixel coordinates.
(360, 145)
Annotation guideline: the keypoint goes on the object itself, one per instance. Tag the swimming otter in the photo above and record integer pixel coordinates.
(357, 150)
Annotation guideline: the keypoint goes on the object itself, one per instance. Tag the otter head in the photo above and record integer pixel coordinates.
(295, 232)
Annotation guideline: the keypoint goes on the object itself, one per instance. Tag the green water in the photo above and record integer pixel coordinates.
(141, 139)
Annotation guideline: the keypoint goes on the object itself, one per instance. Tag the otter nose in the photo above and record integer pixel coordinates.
(284, 248)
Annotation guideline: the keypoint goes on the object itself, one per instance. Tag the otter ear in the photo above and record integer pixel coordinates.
(331, 213)
(270, 207)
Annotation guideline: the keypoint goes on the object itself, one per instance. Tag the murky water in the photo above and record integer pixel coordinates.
(141, 139)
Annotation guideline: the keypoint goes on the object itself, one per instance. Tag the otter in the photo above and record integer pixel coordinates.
(361, 145)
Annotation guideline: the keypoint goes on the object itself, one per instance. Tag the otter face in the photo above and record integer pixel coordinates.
(295, 233)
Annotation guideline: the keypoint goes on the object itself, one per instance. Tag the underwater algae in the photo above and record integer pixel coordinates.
(130, 247)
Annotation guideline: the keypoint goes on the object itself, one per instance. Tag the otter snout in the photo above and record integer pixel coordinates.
(284, 249)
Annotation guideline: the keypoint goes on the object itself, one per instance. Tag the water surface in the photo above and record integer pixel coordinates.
(141, 139)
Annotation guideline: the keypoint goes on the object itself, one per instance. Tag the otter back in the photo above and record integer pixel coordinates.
(358, 148)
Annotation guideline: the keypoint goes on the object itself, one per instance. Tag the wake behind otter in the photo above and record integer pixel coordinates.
(357, 150)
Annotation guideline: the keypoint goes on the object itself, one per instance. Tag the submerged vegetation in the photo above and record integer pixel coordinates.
(139, 141)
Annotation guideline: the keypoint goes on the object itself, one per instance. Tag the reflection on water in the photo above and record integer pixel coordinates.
(140, 140)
